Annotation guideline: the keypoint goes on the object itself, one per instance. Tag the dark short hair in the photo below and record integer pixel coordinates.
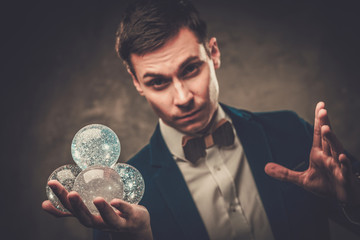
(148, 24)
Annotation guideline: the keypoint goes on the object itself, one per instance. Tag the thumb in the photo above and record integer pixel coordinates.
(282, 173)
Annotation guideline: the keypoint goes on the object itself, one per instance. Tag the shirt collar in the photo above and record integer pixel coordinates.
(173, 137)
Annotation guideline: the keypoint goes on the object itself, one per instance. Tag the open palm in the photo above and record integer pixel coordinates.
(329, 173)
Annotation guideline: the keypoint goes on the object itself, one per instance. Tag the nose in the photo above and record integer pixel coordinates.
(183, 97)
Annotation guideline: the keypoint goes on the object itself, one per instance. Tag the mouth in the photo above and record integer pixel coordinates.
(188, 116)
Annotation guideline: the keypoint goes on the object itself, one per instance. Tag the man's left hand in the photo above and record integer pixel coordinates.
(330, 172)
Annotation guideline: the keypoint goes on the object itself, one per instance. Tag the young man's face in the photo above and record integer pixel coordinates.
(179, 81)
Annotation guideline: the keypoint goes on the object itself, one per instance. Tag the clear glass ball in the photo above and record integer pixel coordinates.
(66, 176)
(98, 181)
(134, 185)
(95, 144)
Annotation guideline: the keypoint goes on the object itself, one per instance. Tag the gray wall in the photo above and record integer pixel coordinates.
(60, 73)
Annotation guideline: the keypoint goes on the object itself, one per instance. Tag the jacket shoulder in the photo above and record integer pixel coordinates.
(284, 120)
(141, 157)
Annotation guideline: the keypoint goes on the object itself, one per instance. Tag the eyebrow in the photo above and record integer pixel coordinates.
(187, 61)
(182, 65)
(153, 75)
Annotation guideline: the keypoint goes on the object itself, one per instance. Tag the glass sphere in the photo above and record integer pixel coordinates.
(134, 185)
(95, 144)
(98, 181)
(66, 176)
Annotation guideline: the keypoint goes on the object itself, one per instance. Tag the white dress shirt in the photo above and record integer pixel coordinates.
(223, 188)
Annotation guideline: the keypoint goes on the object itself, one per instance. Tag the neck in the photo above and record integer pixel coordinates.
(210, 126)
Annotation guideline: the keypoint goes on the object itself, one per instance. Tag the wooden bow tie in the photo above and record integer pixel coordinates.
(194, 147)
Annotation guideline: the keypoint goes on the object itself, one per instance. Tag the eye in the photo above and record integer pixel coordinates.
(191, 70)
(158, 83)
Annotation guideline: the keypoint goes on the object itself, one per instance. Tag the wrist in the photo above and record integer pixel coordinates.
(354, 192)
(141, 234)
(352, 213)
(351, 208)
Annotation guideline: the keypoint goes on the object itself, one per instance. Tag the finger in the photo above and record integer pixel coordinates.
(324, 117)
(48, 207)
(325, 142)
(60, 192)
(282, 173)
(317, 126)
(124, 207)
(335, 146)
(80, 210)
(324, 122)
(108, 214)
(345, 162)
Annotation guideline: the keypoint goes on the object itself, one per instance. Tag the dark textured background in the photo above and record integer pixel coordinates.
(60, 73)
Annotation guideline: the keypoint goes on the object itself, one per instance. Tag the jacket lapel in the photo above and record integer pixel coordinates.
(257, 151)
(174, 191)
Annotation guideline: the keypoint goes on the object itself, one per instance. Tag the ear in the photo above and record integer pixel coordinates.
(135, 82)
(214, 52)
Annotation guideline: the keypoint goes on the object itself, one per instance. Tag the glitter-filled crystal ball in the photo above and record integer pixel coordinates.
(98, 181)
(95, 144)
(66, 176)
(134, 185)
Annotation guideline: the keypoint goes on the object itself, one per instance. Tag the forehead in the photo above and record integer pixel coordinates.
(169, 57)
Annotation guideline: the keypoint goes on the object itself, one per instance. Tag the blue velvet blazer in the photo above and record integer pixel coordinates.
(280, 137)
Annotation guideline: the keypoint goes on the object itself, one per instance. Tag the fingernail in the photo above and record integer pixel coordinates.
(53, 187)
(100, 204)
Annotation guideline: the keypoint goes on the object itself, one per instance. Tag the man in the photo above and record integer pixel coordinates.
(200, 185)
